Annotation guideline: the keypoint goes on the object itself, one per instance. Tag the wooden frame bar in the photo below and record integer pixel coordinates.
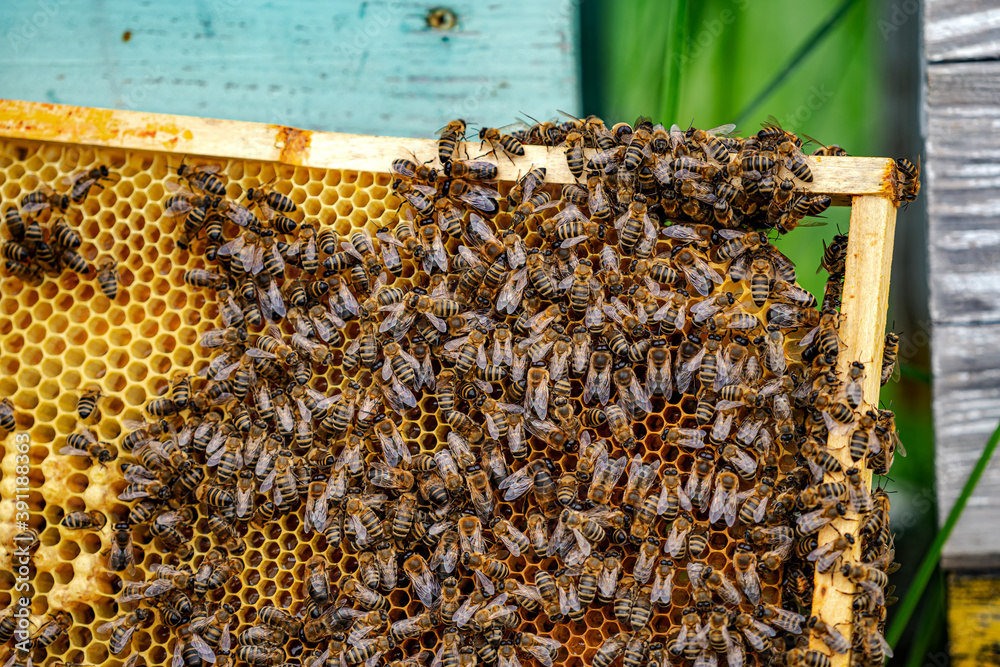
(868, 185)
(863, 311)
(839, 177)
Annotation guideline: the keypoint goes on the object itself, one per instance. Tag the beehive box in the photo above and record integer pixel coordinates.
(63, 336)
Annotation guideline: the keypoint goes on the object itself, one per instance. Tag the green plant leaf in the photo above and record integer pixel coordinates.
(824, 30)
(930, 561)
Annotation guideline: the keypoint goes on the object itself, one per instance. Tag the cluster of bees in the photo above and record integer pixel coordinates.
(42, 241)
(623, 375)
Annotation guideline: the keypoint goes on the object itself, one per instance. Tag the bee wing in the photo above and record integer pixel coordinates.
(698, 280)
(695, 571)
(662, 312)
(510, 545)
(465, 612)
(541, 351)
(119, 642)
(268, 480)
(639, 395)
(734, 650)
(73, 179)
(244, 499)
(216, 456)
(427, 588)
(239, 214)
(436, 322)
(607, 581)
(205, 652)
(663, 588)
(73, 451)
(858, 498)
(541, 653)
(399, 397)
(483, 582)
(598, 383)
(687, 371)
(675, 540)
(569, 599)
(663, 502)
(517, 484)
(855, 393)
(178, 659)
(510, 661)
(438, 254)
(105, 628)
(358, 527)
(582, 542)
(178, 207)
(825, 561)
(274, 299)
(34, 206)
(540, 399)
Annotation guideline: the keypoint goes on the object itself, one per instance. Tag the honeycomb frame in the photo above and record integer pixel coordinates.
(50, 347)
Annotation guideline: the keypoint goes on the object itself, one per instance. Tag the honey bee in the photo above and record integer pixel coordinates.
(620, 426)
(15, 252)
(120, 629)
(14, 224)
(65, 235)
(499, 140)
(92, 520)
(909, 184)
(634, 225)
(448, 138)
(107, 277)
(203, 178)
(890, 366)
(697, 271)
(813, 521)
(74, 261)
(606, 474)
(85, 443)
(410, 169)
(725, 497)
(44, 198)
(425, 583)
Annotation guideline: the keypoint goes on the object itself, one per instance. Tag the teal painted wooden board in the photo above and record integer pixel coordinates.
(367, 67)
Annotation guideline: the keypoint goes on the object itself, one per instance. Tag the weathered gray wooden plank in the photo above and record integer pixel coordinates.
(966, 411)
(962, 183)
(953, 29)
(370, 67)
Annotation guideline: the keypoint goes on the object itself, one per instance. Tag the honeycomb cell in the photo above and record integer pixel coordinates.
(131, 345)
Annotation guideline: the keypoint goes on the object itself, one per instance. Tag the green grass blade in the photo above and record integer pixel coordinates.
(928, 624)
(824, 30)
(930, 562)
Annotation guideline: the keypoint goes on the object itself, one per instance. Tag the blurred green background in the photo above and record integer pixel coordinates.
(841, 71)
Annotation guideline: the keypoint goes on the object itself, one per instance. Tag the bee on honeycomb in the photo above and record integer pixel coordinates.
(490, 422)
